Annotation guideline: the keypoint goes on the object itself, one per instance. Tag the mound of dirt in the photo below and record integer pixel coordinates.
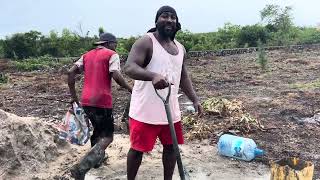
(26, 145)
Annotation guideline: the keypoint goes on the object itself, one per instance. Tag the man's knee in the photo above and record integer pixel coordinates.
(108, 139)
(105, 141)
(135, 153)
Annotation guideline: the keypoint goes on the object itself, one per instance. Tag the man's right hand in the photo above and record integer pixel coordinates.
(159, 82)
(75, 99)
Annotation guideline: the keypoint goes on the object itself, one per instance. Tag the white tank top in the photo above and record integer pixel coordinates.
(145, 105)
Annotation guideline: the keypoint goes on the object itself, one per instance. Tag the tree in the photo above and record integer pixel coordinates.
(309, 35)
(262, 57)
(101, 30)
(22, 45)
(120, 47)
(251, 34)
(128, 43)
(280, 21)
(227, 36)
(185, 38)
(50, 45)
(275, 15)
(70, 43)
(1, 48)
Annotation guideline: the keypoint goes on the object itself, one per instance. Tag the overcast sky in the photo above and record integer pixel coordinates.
(127, 18)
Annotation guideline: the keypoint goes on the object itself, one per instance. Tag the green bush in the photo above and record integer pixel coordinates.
(309, 35)
(187, 39)
(3, 78)
(249, 35)
(40, 63)
(1, 49)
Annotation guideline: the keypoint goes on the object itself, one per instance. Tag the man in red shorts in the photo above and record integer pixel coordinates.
(156, 61)
(100, 66)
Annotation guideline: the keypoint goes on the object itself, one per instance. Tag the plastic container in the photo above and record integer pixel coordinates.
(238, 147)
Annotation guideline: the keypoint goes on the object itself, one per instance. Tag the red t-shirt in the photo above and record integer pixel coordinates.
(97, 80)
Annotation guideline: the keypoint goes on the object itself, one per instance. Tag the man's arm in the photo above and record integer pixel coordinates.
(136, 60)
(114, 69)
(71, 82)
(139, 57)
(116, 75)
(187, 88)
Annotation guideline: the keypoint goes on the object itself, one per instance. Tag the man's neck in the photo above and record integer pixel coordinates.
(162, 38)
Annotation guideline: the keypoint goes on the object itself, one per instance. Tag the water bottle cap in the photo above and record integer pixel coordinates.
(258, 152)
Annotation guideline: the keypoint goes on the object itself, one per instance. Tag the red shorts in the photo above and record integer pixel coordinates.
(143, 136)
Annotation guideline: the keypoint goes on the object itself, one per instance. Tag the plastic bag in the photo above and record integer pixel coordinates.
(75, 126)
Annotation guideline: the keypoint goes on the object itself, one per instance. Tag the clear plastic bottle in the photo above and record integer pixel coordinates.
(238, 147)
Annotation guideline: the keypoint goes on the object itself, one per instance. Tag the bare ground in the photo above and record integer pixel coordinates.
(280, 97)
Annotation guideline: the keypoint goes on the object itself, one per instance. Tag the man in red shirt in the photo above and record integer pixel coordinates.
(99, 66)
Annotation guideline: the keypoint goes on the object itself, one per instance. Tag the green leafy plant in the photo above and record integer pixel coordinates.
(3, 78)
(262, 57)
(40, 63)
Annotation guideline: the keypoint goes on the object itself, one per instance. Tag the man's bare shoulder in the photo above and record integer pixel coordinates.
(144, 42)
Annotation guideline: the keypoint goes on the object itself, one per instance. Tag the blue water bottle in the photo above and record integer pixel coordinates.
(238, 147)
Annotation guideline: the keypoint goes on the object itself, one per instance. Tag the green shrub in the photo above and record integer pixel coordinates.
(40, 63)
(3, 78)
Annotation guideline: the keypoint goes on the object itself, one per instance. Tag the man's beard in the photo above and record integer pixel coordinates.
(164, 33)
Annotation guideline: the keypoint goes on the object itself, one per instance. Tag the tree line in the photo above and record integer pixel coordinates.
(275, 28)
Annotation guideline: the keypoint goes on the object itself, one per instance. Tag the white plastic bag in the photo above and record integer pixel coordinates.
(75, 126)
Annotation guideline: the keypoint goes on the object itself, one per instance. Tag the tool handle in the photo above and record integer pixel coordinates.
(164, 99)
(183, 174)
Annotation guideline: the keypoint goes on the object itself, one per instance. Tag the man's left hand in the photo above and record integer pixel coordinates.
(197, 106)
